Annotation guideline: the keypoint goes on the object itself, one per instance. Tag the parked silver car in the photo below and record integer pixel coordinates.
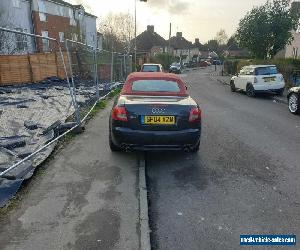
(175, 68)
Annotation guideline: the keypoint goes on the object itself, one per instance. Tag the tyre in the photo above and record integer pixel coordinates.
(294, 106)
(250, 90)
(280, 92)
(112, 146)
(232, 86)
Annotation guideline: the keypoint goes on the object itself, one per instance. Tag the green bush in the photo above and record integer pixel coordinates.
(230, 66)
(164, 59)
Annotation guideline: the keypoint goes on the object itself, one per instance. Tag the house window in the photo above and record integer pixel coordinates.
(45, 41)
(42, 10)
(61, 10)
(43, 17)
(61, 37)
(75, 37)
(80, 15)
(21, 41)
(295, 52)
(71, 16)
(16, 3)
(42, 6)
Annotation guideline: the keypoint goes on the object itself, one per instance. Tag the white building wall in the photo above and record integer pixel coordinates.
(293, 47)
(90, 30)
(52, 8)
(16, 18)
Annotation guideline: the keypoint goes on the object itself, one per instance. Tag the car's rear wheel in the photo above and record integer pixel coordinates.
(294, 103)
(232, 86)
(250, 90)
(112, 146)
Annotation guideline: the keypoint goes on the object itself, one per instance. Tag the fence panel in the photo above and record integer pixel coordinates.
(46, 90)
(35, 103)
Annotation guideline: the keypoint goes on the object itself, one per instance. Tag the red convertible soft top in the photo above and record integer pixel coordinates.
(127, 88)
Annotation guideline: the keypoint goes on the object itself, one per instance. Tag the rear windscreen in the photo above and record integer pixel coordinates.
(150, 68)
(155, 86)
(266, 71)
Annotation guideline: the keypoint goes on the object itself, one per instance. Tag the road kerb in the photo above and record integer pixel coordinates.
(144, 219)
(280, 99)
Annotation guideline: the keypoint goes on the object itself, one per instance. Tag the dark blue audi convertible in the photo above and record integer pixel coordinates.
(155, 112)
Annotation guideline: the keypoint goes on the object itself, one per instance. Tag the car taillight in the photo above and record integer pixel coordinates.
(119, 114)
(255, 80)
(195, 115)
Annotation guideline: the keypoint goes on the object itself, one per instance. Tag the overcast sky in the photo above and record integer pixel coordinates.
(195, 18)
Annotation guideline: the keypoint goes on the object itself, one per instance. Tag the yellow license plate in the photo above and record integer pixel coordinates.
(269, 79)
(164, 120)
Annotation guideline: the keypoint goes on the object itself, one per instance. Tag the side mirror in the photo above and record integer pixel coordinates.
(186, 87)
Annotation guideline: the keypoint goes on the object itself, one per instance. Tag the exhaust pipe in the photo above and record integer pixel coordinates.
(126, 148)
(186, 149)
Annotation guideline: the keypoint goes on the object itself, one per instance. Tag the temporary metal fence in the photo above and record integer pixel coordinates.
(47, 89)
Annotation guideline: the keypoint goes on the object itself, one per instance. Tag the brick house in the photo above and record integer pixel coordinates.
(149, 43)
(182, 47)
(52, 18)
(59, 19)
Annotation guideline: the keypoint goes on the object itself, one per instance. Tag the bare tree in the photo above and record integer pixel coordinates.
(117, 29)
(221, 37)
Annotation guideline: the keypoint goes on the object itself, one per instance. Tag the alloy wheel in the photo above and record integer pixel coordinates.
(293, 103)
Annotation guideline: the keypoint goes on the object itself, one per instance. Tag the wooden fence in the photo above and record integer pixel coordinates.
(18, 69)
(32, 68)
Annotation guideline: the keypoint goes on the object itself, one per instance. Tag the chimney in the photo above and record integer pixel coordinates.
(150, 28)
(179, 34)
(197, 41)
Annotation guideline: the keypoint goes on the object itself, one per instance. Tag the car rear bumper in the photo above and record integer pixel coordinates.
(156, 140)
(268, 87)
(174, 70)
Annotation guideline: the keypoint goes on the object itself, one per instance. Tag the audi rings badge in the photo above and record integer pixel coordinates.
(158, 111)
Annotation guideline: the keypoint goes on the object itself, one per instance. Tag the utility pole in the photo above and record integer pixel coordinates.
(112, 63)
(135, 69)
(135, 48)
(169, 49)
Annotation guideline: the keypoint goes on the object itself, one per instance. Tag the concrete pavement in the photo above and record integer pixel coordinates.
(86, 198)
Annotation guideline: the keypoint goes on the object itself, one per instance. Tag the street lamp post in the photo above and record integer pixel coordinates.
(135, 69)
(135, 48)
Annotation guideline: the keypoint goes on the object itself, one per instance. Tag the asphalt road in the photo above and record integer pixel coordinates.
(244, 180)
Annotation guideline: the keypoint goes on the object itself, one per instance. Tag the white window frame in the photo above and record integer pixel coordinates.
(21, 40)
(61, 10)
(75, 37)
(43, 17)
(71, 16)
(45, 41)
(61, 36)
(42, 6)
(16, 3)
(42, 10)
